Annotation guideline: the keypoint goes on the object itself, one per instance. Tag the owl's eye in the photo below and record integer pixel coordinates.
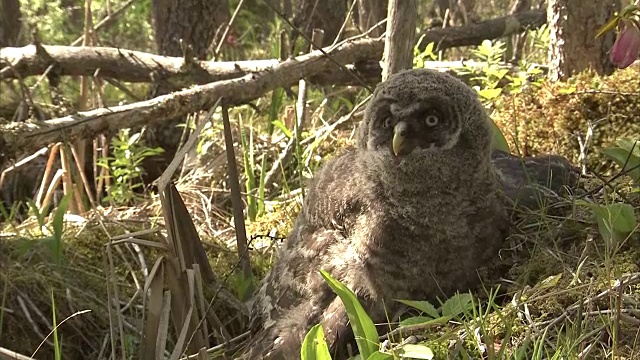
(387, 122)
(431, 120)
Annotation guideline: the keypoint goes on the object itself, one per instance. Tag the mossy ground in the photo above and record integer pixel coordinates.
(550, 264)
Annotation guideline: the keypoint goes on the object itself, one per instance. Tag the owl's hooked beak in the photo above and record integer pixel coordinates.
(399, 144)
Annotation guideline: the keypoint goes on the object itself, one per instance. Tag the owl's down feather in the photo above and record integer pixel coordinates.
(412, 212)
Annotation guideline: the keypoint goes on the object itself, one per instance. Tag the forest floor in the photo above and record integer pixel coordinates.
(569, 286)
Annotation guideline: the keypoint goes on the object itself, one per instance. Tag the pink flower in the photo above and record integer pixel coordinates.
(626, 48)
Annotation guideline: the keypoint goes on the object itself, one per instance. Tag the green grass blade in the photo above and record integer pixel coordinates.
(276, 103)
(362, 325)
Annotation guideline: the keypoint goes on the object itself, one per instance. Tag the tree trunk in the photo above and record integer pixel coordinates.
(573, 26)
(370, 13)
(10, 23)
(400, 37)
(328, 15)
(194, 22)
(184, 28)
(461, 12)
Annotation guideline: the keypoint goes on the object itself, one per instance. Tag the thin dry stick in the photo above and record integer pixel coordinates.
(114, 300)
(55, 182)
(21, 163)
(12, 355)
(344, 24)
(47, 173)
(216, 53)
(236, 197)
(83, 177)
(286, 154)
(57, 326)
(106, 21)
(67, 184)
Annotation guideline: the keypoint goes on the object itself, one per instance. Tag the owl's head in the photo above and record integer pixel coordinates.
(419, 112)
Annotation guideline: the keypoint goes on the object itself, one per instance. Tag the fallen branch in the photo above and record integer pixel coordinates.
(474, 34)
(137, 66)
(24, 137)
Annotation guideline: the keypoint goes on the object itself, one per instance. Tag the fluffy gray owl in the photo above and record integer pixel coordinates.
(411, 213)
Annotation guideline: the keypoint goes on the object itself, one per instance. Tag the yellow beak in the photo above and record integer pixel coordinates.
(399, 133)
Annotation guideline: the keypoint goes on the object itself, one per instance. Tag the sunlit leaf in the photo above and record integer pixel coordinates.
(610, 25)
(416, 351)
(457, 304)
(423, 306)
(499, 141)
(623, 157)
(314, 346)
(362, 325)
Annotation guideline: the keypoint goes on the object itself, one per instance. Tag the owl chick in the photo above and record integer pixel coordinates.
(410, 213)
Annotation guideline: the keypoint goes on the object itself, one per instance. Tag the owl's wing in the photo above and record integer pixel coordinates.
(293, 297)
(532, 182)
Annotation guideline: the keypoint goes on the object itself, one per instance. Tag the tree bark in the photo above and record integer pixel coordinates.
(573, 26)
(328, 15)
(370, 13)
(474, 34)
(184, 28)
(10, 23)
(400, 36)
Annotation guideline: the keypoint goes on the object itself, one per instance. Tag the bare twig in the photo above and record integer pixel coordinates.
(286, 154)
(106, 21)
(216, 53)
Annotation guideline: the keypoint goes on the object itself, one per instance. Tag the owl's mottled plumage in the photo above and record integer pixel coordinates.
(411, 213)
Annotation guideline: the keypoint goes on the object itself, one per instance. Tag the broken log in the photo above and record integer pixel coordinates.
(136, 66)
(23, 137)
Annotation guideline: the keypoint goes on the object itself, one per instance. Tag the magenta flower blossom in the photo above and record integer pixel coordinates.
(626, 48)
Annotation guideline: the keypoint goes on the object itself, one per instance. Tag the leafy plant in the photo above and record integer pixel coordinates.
(421, 57)
(615, 221)
(451, 308)
(363, 328)
(255, 204)
(124, 166)
(627, 156)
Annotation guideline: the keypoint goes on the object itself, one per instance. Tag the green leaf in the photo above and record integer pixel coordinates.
(276, 103)
(416, 351)
(614, 220)
(424, 320)
(457, 304)
(568, 90)
(610, 25)
(623, 157)
(314, 346)
(423, 306)
(280, 125)
(363, 328)
(499, 141)
(490, 94)
(631, 145)
(551, 281)
(622, 217)
(378, 355)
(58, 227)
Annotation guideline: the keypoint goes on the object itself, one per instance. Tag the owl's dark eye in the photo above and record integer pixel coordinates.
(431, 120)
(387, 122)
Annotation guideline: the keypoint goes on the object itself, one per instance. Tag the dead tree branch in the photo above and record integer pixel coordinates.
(26, 136)
(474, 34)
(137, 66)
